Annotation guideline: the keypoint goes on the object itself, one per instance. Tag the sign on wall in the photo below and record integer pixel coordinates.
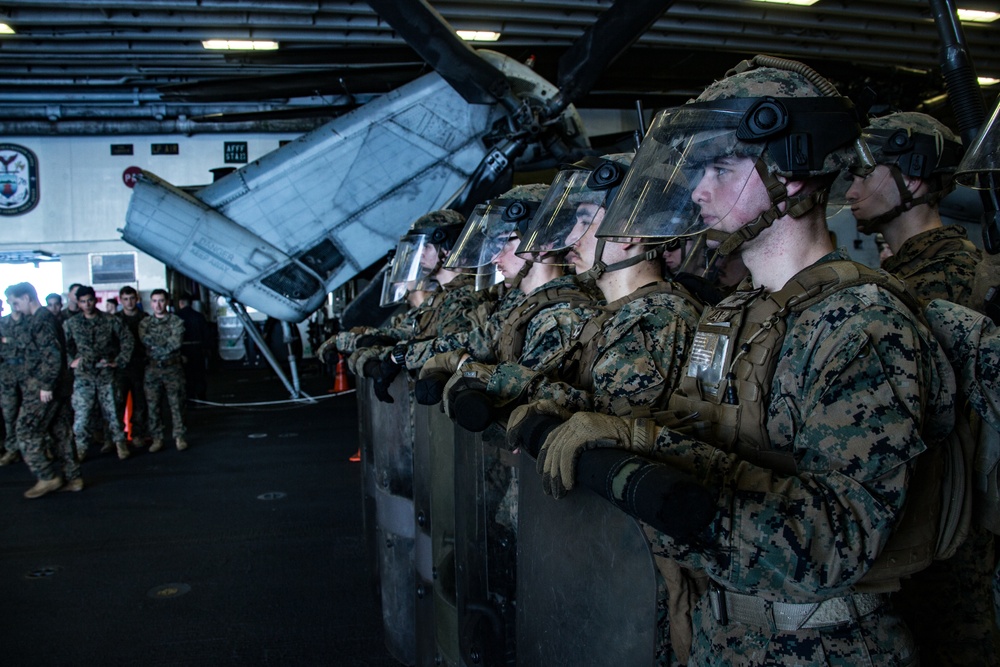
(235, 152)
(18, 180)
(112, 268)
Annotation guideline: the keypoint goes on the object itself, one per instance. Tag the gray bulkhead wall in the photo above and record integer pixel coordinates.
(83, 196)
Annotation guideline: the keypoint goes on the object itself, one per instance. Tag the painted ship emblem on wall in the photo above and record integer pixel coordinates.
(18, 179)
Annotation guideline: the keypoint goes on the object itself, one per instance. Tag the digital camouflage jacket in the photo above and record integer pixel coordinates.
(937, 264)
(100, 338)
(859, 390)
(162, 336)
(637, 357)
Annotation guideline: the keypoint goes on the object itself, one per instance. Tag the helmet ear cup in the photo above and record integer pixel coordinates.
(764, 119)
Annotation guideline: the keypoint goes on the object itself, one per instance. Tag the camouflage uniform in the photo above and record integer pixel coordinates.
(972, 342)
(11, 368)
(937, 264)
(163, 338)
(948, 606)
(859, 390)
(131, 378)
(638, 357)
(477, 340)
(96, 341)
(549, 335)
(45, 370)
(444, 312)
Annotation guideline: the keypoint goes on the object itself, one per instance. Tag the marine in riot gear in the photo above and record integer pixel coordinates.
(806, 406)
(948, 605)
(916, 157)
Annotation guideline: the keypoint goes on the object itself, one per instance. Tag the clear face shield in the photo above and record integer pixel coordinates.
(482, 238)
(412, 268)
(688, 177)
(487, 276)
(980, 168)
(564, 216)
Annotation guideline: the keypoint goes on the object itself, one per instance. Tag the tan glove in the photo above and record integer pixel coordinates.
(356, 362)
(528, 424)
(329, 347)
(588, 430)
(446, 362)
(474, 376)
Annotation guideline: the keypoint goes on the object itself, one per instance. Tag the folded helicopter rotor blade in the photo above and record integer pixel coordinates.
(427, 33)
(618, 28)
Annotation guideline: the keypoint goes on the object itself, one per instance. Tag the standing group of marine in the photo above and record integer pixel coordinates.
(804, 465)
(68, 374)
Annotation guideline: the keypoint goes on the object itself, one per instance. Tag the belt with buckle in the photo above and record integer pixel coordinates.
(730, 606)
(164, 363)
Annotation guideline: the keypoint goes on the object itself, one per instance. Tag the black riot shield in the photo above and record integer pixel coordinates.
(434, 503)
(392, 468)
(485, 546)
(369, 520)
(587, 584)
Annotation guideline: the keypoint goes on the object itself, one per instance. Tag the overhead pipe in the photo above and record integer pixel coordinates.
(967, 102)
(39, 128)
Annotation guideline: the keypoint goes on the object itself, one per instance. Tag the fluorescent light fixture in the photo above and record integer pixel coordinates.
(6, 29)
(977, 16)
(478, 35)
(239, 45)
(801, 3)
(988, 81)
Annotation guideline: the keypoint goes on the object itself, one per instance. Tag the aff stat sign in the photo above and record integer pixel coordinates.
(18, 180)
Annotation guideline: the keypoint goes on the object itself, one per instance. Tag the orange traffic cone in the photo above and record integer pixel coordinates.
(128, 416)
(356, 457)
(340, 380)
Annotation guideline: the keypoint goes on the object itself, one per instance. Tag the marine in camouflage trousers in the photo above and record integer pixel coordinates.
(167, 380)
(10, 404)
(35, 421)
(93, 396)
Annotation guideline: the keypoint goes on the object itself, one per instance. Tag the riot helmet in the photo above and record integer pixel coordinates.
(493, 226)
(906, 146)
(771, 117)
(421, 253)
(579, 194)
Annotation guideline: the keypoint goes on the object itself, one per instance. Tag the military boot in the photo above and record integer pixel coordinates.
(123, 452)
(73, 485)
(181, 444)
(107, 447)
(9, 457)
(43, 486)
(156, 446)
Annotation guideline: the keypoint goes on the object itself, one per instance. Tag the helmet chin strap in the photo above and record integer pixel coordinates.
(516, 282)
(906, 202)
(599, 267)
(778, 194)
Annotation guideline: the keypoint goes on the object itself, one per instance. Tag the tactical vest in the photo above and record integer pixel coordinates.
(510, 342)
(737, 348)
(578, 367)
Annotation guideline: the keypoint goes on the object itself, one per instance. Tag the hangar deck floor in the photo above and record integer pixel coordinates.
(246, 549)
